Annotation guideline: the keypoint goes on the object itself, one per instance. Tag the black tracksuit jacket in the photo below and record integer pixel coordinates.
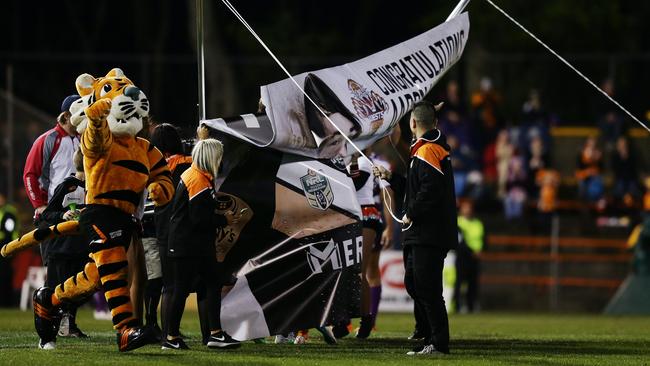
(194, 220)
(430, 200)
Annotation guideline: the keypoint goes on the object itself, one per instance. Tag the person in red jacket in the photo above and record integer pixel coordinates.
(49, 160)
(49, 163)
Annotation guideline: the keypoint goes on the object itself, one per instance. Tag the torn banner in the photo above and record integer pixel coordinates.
(296, 250)
(365, 98)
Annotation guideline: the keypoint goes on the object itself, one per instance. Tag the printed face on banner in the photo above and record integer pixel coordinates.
(317, 190)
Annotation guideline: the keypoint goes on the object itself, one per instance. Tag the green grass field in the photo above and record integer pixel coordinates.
(484, 339)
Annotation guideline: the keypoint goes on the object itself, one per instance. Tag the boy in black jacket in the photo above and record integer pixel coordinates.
(430, 227)
(67, 254)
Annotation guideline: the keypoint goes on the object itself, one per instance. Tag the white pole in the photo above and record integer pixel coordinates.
(458, 9)
(200, 58)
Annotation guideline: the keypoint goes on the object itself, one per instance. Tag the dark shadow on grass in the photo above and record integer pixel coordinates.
(510, 347)
(550, 347)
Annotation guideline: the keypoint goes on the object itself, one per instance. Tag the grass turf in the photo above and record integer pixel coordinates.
(483, 339)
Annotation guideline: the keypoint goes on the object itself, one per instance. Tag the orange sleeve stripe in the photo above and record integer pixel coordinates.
(195, 182)
(432, 154)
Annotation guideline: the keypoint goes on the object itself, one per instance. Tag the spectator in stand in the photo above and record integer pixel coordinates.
(536, 160)
(515, 197)
(453, 119)
(486, 104)
(467, 262)
(462, 161)
(475, 189)
(626, 176)
(548, 181)
(489, 163)
(610, 120)
(453, 101)
(590, 181)
(535, 122)
(453, 123)
(503, 152)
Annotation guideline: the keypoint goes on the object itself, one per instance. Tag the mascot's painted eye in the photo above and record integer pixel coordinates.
(105, 90)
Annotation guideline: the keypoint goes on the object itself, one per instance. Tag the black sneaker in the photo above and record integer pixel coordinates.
(365, 327)
(176, 343)
(131, 338)
(45, 318)
(75, 332)
(340, 330)
(417, 335)
(222, 340)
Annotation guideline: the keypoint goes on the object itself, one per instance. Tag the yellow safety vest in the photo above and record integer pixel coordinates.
(472, 230)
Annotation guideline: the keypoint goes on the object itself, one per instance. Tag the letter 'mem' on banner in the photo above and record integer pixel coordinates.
(365, 98)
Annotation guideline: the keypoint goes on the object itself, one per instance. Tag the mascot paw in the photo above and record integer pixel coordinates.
(156, 194)
(99, 110)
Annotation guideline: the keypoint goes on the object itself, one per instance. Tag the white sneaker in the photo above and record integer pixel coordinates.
(64, 325)
(290, 338)
(47, 346)
(429, 349)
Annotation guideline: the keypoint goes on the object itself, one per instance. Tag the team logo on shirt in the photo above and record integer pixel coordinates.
(368, 105)
(317, 190)
(338, 161)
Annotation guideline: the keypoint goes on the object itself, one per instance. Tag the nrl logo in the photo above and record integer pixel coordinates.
(317, 190)
(368, 104)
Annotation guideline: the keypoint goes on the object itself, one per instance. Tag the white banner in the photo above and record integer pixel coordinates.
(365, 98)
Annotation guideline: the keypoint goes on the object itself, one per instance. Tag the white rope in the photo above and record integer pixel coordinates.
(252, 31)
(569, 65)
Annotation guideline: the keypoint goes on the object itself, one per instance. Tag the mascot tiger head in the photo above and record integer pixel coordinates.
(130, 105)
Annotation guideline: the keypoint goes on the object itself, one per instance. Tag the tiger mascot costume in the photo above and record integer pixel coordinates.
(118, 167)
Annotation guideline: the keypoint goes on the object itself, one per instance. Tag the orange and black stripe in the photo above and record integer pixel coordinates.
(119, 178)
(432, 154)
